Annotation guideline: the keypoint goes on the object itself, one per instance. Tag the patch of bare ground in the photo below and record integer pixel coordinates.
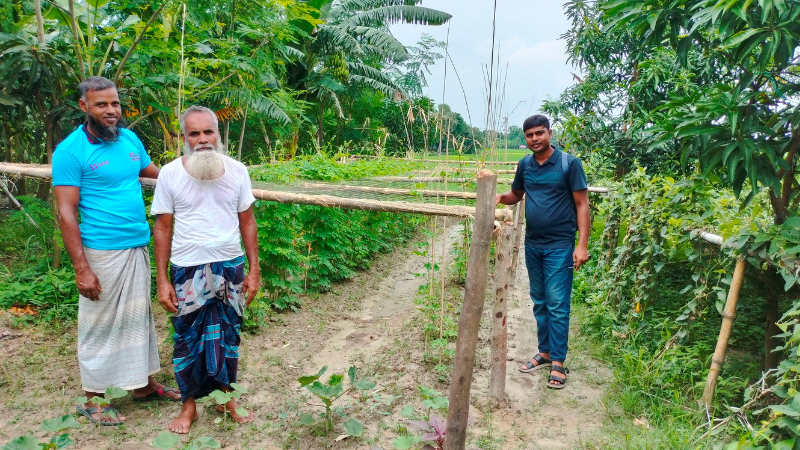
(371, 322)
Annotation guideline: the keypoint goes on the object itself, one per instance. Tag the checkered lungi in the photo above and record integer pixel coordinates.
(116, 334)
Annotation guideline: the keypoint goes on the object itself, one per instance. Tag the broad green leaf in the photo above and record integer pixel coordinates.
(239, 388)
(353, 427)
(115, 392)
(407, 412)
(96, 3)
(60, 423)
(324, 391)
(785, 409)
(335, 379)
(363, 384)
(208, 442)
(22, 443)
(306, 419)
(436, 403)
(351, 374)
(220, 397)
(308, 379)
(166, 440)
(61, 441)
(405, 442)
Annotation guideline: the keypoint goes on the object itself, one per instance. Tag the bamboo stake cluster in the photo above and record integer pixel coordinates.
(470, 318)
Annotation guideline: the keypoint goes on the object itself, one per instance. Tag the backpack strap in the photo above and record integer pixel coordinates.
(565, 163)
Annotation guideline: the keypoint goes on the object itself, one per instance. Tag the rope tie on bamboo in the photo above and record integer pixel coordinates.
(717, 361)
(728, 315)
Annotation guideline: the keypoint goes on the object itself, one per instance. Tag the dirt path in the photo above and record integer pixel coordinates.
(371, 322)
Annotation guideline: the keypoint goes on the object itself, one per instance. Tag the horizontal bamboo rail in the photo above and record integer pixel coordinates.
(417, 192)
(415, 179)
(43, 171)
(393, 191)
(450, 161)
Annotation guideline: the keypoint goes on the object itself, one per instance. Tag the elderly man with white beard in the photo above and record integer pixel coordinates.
(208, 197)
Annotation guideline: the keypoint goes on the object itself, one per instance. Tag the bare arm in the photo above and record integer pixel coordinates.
(68, 198)
(162, 237)
(249, 232)
(150, 171)
(581, 254)
(510, 198)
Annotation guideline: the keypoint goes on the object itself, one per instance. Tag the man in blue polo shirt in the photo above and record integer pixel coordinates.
(96, 172)
(556, 205)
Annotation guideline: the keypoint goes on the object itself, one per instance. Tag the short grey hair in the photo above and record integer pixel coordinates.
(197, 109)
(95, 84)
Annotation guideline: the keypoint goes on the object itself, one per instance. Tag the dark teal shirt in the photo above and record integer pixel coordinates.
(550, 216)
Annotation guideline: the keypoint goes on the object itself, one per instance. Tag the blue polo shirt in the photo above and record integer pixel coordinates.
(550, 216)
(107, 173)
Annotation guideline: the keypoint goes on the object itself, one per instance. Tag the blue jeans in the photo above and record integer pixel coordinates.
(550, 272)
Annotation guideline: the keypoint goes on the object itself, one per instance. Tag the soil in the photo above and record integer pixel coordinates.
(371, 322)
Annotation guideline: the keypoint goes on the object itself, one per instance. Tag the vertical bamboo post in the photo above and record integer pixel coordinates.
(502, 274)
(470, 318)
(728, 314)
(519, 231)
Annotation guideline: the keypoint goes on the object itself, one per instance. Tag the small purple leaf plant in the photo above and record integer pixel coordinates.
(433, 429)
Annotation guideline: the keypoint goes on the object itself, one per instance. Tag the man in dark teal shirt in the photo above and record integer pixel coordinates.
(556, 205)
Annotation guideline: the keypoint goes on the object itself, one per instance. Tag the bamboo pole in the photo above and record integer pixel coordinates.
(502, 275)
(445, 161)
(43, 171)
(519, 231)
(414, 179)
(393, 191)
(469, 320)
(728, 315)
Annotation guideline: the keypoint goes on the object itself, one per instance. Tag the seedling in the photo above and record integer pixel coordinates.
(60, 440)
(110, 394)
(169, 441)
(222, 398)
(433, 400)
(330, 392)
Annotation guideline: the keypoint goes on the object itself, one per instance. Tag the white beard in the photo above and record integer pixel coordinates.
(205, 164)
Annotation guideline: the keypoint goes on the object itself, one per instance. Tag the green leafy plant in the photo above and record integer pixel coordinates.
(110, 394)
(221, 398)
(168, 441)
(330, 392)
(59, 440)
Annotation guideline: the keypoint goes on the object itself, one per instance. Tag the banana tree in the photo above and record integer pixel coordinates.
(346, 45)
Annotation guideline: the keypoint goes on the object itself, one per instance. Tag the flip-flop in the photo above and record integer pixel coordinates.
(94, 410)
(562, 381)
(158, 395)
(540, 362)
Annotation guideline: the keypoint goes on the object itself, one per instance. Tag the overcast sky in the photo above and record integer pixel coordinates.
(528, 36)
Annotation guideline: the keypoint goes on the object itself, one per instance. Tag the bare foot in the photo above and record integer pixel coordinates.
(231, 407)
(183, 423)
